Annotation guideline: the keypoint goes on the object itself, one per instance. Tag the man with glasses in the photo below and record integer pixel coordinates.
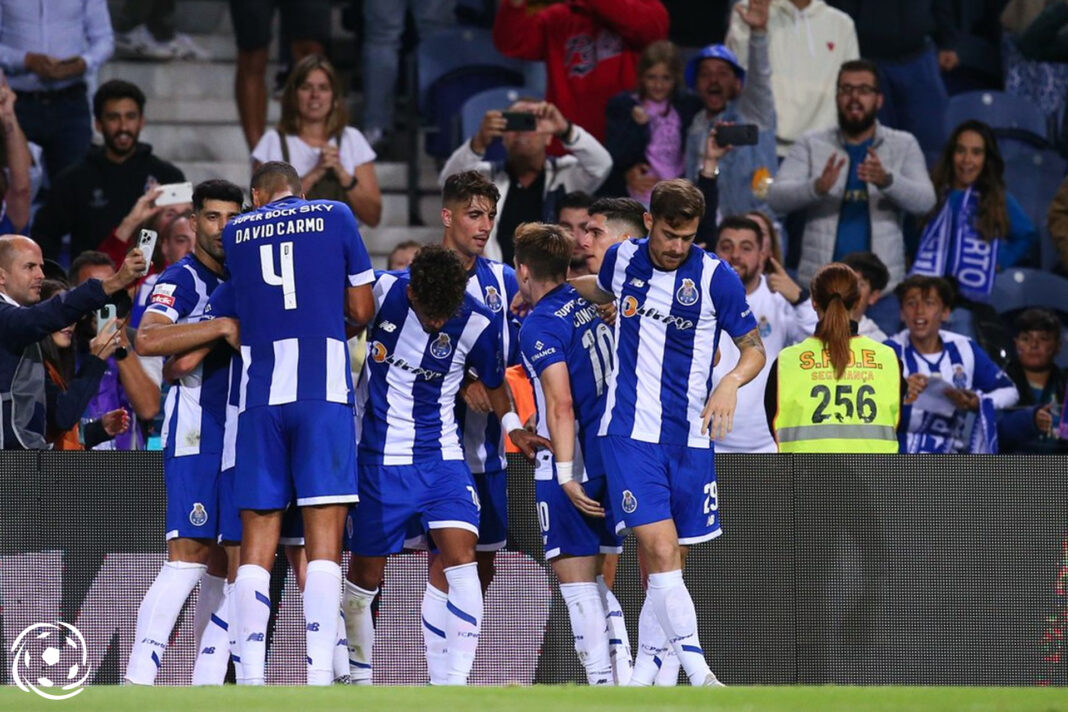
(856, 181)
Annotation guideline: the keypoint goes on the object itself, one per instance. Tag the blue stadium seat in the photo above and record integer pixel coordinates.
(1018, 288)
(999, 110)
(1032, 175)
(476, 107)
(452, 66)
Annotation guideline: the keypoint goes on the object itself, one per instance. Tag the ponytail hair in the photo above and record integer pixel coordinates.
(835, 292)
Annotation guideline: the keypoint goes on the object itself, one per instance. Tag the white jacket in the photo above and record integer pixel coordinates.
(585, 169)
(806, 48)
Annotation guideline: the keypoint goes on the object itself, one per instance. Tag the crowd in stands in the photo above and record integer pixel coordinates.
(839, 149)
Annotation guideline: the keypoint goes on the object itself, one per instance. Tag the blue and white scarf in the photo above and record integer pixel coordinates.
(976, 432)
(961, 253)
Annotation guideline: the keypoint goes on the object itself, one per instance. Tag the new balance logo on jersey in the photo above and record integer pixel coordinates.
(312, 627)
(388, 326)
(635, 282)
(379, 354)
(254, 638)
(630, 307)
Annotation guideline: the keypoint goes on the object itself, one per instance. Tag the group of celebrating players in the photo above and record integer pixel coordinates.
(261, 447)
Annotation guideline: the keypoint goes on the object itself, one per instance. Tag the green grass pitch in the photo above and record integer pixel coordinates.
(547, 698)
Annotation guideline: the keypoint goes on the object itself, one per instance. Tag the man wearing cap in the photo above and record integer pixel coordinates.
(732, 95)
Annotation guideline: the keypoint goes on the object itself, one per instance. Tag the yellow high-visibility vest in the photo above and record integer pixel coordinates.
(821, 413)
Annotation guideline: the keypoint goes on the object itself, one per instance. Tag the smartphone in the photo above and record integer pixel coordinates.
(105, 314)
(147, 245)
(519, 121)
(736, 135)
(175, 193)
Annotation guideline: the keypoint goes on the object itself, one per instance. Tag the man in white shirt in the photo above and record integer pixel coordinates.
(807, 41)
(784, 316)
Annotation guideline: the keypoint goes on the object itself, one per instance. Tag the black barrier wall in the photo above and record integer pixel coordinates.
(844, 569)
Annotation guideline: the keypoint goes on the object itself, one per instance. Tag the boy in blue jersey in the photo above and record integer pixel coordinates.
(968, 386)
(567, 351)
(192, 436)
(297, 268)
(674, 300)
(469, 209)
(428, 333)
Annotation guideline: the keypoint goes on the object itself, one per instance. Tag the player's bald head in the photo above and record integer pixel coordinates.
(274, 178)
(10, 245)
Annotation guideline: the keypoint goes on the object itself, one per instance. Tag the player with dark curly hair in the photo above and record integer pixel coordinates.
(428, 333)
(437, 285)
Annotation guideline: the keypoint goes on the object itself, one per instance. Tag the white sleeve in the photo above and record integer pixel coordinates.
(355, 151)
(153, 366)
(269, 148)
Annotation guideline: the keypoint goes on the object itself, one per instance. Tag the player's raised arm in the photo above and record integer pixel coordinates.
(590, 290)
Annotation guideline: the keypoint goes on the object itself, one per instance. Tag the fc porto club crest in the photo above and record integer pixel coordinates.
(442, 346)
(959, 379)
(687, 294)
(765, 327)
(199, 516)
(630, 502)
(493, 299)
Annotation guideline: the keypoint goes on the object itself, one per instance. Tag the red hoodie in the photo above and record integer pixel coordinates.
(590, 49)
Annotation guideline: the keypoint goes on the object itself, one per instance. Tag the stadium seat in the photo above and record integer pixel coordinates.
(1017, 289)
(453, 65)
(476, 107)
(1032, 175)
(999, 110)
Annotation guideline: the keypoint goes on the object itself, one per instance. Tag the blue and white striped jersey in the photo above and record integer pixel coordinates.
(406, 397)
(290, 263)
(564, 328)
(666, 335)
(960, 364)
(222, 303)
(494, 285)
(195, 409)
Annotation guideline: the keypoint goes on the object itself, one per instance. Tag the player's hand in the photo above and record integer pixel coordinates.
(1044, 420)
(105, 342)
(608, 313)
(492, 126)
(829, 176)
(963, 398)
(520, 307)
(872, 171)
(916, 383)
(779, 281)
(231, 331)
(639, 179)
(529, 443)
(476, 396)
(717, 419)
(577, 495)
(115, 421)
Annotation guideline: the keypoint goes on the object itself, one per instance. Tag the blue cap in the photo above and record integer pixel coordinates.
(716, 51)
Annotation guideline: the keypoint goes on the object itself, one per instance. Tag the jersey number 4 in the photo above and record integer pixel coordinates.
(285, 280)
